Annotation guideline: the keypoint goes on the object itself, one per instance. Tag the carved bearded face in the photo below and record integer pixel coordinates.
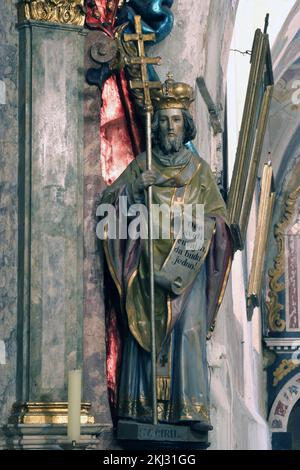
(170, 130)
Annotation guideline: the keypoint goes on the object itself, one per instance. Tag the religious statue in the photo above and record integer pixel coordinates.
(189, 282)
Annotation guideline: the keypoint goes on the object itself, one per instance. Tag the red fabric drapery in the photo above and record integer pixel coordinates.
(120, 142)
(120, 136)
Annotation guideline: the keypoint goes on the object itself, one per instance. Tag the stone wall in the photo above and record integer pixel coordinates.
(8, 204)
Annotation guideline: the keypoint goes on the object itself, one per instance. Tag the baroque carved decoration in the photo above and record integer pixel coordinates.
(284, 404)
(53, 11)
(47, 413)
(285, 367)
(274, 307)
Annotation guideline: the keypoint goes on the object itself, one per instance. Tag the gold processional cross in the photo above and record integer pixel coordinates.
(146, 85)
(143, 61)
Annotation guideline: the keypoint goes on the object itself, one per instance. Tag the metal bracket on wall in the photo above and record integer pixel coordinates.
(213, 109)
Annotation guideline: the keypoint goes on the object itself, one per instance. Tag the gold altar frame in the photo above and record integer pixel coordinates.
(251, 137)
(265, 211)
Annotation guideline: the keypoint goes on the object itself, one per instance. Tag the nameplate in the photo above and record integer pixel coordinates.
(154, 433)
(133, 430)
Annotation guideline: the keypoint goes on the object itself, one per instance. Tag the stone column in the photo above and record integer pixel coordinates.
(50, 282)
(8, 206)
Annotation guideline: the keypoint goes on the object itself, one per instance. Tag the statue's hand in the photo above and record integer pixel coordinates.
(146, 179)
(162, 281)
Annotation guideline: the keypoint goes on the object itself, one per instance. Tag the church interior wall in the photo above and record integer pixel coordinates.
(201, 37)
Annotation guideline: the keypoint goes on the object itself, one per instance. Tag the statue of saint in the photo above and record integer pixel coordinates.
(189, 283)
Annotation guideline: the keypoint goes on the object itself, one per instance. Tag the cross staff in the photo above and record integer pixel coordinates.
(145, 84)
(143, 61)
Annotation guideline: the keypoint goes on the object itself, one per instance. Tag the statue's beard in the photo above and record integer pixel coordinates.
(170, 144)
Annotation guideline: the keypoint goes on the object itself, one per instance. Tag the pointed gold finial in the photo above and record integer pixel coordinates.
(144, 83)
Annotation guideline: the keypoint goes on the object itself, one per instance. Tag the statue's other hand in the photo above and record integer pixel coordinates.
(146, 179)
(162, 281)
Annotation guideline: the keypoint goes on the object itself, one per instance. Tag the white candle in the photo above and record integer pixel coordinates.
(74, 405)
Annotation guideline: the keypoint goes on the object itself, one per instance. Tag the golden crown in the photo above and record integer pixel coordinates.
(172, 95)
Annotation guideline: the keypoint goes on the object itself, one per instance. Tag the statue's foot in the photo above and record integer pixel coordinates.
(201, 426)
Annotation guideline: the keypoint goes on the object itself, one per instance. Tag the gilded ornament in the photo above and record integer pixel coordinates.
(261, 239)
(251, 137)
(285, 367)
(274, 308)
(47, 413)
(173, 95)
(53, 11)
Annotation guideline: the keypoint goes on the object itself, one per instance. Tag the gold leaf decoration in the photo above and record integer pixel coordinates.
(274, 308)
(53, 11)
(285, 367)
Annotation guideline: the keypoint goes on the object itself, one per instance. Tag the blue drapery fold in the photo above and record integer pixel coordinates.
(157, 18)
(156, 15)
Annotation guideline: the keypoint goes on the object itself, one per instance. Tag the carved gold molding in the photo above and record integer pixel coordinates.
(261, 239)
(47, 413)
(53, 11)
(275, 322)
(285, 367)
